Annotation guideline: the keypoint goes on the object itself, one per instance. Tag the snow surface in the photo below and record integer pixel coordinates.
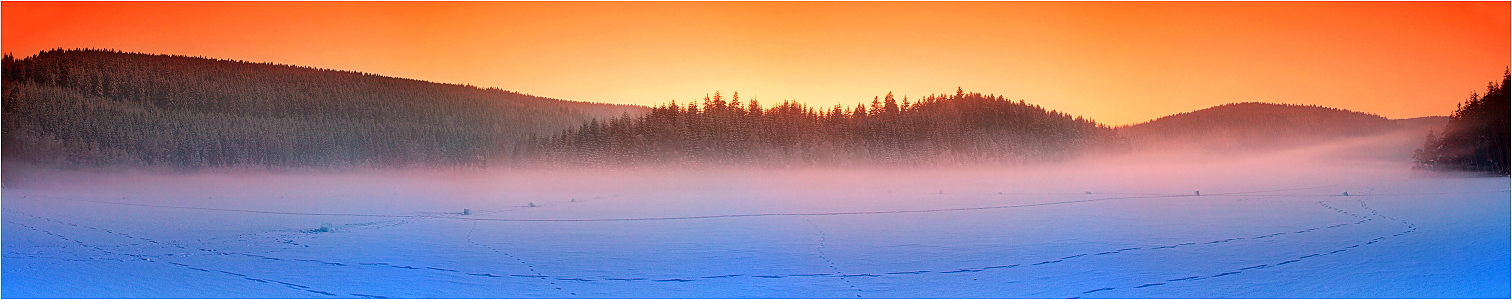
(1256, 231)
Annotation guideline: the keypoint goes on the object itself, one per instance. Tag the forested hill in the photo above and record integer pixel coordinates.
(959, 129)
(1252, 126)
(97, 107)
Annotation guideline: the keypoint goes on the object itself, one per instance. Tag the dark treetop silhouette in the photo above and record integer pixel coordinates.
(964, 128)
(1476, 137)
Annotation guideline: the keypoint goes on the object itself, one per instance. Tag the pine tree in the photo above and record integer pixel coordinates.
(1476, 137)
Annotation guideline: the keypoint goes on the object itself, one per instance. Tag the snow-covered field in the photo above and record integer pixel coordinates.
(1256, 230)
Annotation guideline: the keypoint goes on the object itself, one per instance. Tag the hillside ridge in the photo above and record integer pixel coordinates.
(104, 107)
(1256, 126)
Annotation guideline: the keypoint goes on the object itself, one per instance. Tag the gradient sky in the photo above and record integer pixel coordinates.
(1116, 62)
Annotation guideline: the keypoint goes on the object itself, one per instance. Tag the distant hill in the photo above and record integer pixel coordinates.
(1253, 126)
(1422, 124)
(102, 108)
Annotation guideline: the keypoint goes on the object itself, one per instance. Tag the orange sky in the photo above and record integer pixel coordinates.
(1116, 62)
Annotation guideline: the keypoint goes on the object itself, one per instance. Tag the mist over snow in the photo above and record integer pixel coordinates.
(973, 156)
(1144, 225)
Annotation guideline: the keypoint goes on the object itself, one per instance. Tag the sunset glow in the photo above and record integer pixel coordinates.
(1115, 62)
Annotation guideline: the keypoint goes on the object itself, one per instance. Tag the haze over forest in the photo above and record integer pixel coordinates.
(808, 150)
(104, 108)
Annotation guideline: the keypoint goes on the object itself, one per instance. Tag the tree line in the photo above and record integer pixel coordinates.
(963, 128)
(1476, 137)
(92, 107)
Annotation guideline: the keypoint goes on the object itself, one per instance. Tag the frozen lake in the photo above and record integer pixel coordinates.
(1132, 232)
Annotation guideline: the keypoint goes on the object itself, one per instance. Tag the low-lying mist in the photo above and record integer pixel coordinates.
(1165, 171)
(1159, 224)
